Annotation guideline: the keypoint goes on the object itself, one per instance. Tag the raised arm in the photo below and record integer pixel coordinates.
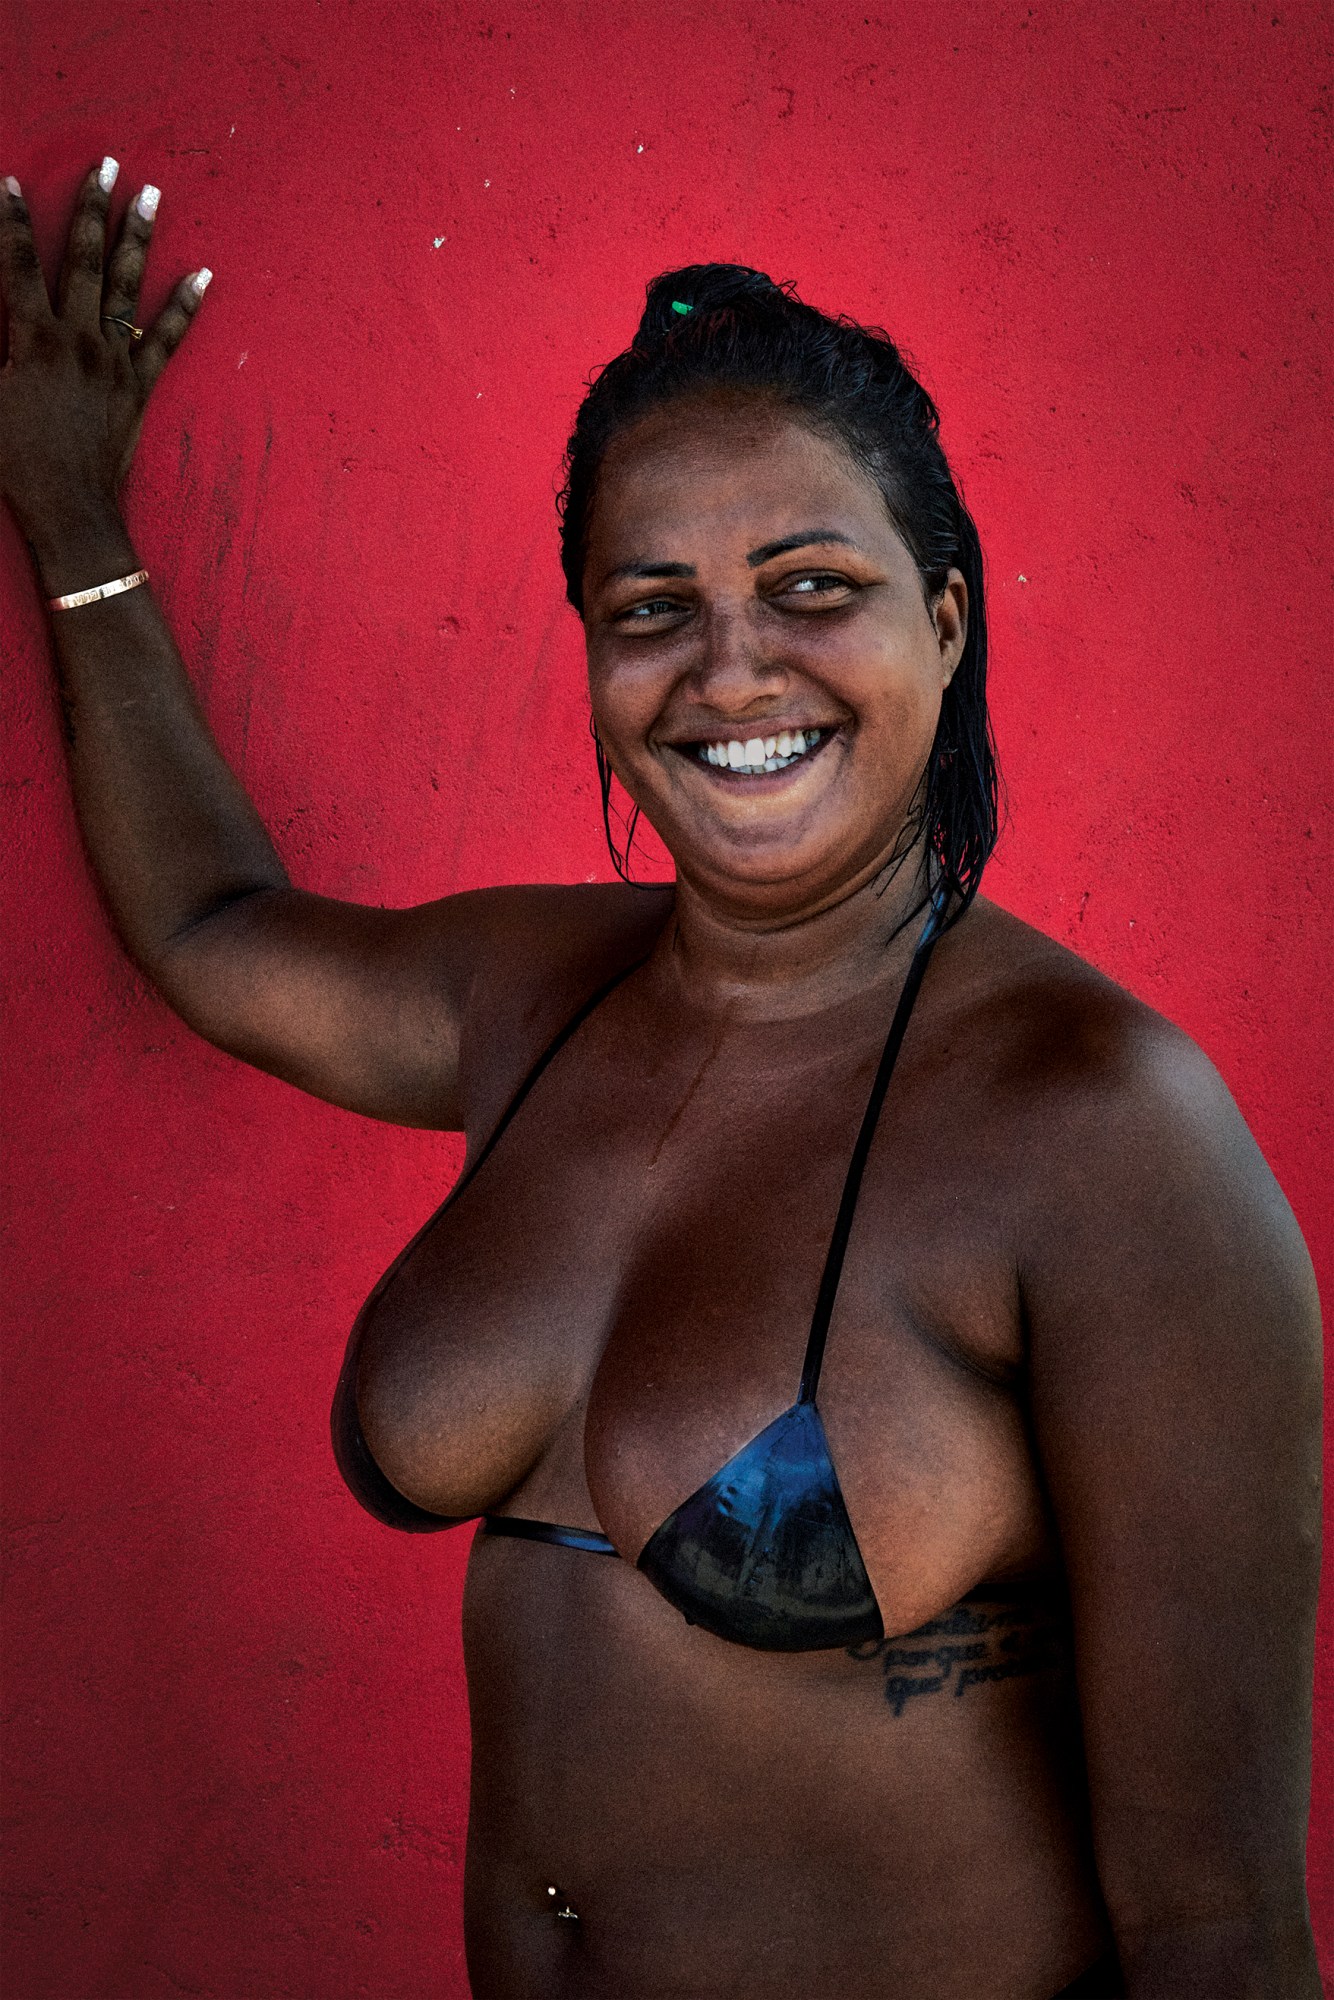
(358, 1005)
(368, 1008)
(1175, 1362)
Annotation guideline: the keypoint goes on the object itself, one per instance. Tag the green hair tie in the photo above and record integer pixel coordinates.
(680, 306)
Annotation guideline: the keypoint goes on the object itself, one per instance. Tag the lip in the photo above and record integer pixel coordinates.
(765, 781)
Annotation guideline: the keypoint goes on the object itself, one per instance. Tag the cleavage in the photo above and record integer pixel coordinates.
(628, 1204)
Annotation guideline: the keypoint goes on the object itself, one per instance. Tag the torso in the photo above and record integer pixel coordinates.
(616, 1303)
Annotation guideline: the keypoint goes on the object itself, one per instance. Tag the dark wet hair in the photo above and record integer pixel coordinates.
(723, 326)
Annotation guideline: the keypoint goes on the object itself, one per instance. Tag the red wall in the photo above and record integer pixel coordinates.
(236, 1723)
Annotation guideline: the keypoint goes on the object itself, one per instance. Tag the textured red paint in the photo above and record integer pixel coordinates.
(237, 1735)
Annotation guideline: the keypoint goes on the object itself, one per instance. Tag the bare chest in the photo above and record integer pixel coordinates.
(621, 1298)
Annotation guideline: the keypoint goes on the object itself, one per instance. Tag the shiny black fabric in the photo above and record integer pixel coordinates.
(764, 1553)
(524, 1530)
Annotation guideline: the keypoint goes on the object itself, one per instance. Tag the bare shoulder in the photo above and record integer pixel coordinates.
(1061, 1040)
(535, 954)
(1134, 1171)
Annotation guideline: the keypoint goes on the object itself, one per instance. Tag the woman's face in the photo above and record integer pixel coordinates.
(764, 670)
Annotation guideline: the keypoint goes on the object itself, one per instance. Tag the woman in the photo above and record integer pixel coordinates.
(885, 1365)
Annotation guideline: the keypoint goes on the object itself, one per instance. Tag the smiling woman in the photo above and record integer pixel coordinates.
(751, 350)
(980, 1664)
(832, 626)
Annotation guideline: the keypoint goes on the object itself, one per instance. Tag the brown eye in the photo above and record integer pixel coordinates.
(813, 588)
(640, 614)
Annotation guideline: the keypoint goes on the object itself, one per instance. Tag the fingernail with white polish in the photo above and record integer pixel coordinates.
(106, 174)
(146, 201)
(11, 185)
(202, 280)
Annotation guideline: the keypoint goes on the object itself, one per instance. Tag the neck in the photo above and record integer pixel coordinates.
(780, 965)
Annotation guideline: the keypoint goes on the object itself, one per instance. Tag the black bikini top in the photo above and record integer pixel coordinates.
(764, 1553)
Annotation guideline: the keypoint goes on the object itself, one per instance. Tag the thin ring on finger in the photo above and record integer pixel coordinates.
(114, 319)
(120, 298)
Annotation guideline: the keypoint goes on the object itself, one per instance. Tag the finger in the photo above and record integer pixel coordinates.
(21, 282)
(126, 271)
(80, 296)
(165, 335)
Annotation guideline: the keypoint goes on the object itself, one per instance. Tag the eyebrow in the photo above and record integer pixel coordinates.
(808, 538)
(649, 569)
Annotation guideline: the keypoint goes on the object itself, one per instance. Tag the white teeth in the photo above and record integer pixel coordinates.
(760, 753)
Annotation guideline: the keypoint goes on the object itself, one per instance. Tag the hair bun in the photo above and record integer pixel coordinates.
(705, 289)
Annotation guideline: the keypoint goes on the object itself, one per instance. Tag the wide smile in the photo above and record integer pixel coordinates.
(744, 760)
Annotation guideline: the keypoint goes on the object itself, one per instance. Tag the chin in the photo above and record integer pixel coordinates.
(768, 878)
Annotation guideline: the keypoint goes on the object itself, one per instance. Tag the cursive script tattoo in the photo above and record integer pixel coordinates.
(980, 1640)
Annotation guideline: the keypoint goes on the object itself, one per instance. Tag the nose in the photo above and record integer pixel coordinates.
(734, 664)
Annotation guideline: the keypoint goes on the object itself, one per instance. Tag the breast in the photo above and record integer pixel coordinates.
(620, 1300)
(763, 1553)
(479, 1345)
(920, 1394)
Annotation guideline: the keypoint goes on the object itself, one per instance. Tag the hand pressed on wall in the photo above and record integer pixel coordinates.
(79, 373)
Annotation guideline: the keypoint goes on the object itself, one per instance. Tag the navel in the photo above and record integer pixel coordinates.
(560, 1905)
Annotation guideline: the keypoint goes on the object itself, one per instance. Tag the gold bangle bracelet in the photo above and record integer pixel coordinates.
(112, 589)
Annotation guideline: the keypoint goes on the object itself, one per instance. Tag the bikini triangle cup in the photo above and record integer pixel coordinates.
(764, 1553)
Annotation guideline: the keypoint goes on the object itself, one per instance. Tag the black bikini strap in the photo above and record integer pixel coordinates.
(552, 1050)
(838, 1242)
(548, 1531)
